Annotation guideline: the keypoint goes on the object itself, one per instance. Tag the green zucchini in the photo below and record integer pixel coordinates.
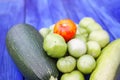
(108, 62)
(25, 46)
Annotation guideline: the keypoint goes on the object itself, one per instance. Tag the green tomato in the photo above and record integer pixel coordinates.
(76, 47)
(101, 36)
(82, 31)
(55, 45)
(93, 26)
(44, 32)
(93, 49)
(81, 37)
(51, 28)
(86, 21)
(66, 64)
(86, 64)
(74, 75)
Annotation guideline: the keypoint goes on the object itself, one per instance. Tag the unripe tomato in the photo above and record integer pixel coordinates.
(66, 64)
(66, 28)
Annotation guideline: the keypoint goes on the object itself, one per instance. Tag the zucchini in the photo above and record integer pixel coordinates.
(108, 62)
(25, 46)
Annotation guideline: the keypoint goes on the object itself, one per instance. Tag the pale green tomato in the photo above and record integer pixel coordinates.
(55, 45)
(82, 31)
(74, 75)
(86, 64)
(51, 28)
(93, 26)
(44, 32)
(101, 36)
(93, 49)
(76, 47)
(81, 37)
(66, 64)
(84, 22)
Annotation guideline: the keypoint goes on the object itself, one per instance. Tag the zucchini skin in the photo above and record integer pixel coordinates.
(25, 46)
(108, 62)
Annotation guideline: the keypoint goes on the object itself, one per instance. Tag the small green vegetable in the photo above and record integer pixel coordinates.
(93, 27)
(66, 64)
(101, 36)
(44, 32)
(86, 64)
(93, 49)
(74, 75)
(76, 47)
(55, 45)
(84, 22)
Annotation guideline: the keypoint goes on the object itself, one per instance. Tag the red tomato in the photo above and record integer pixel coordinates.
(66, 28)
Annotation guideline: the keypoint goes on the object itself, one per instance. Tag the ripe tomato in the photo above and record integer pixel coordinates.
(66, 28)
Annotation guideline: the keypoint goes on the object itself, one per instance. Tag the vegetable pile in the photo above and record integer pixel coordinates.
(76, 46)
(64, 51)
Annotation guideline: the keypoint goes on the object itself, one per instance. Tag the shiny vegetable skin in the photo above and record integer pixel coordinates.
(108, 62)
(24, 44)
(66, 28)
